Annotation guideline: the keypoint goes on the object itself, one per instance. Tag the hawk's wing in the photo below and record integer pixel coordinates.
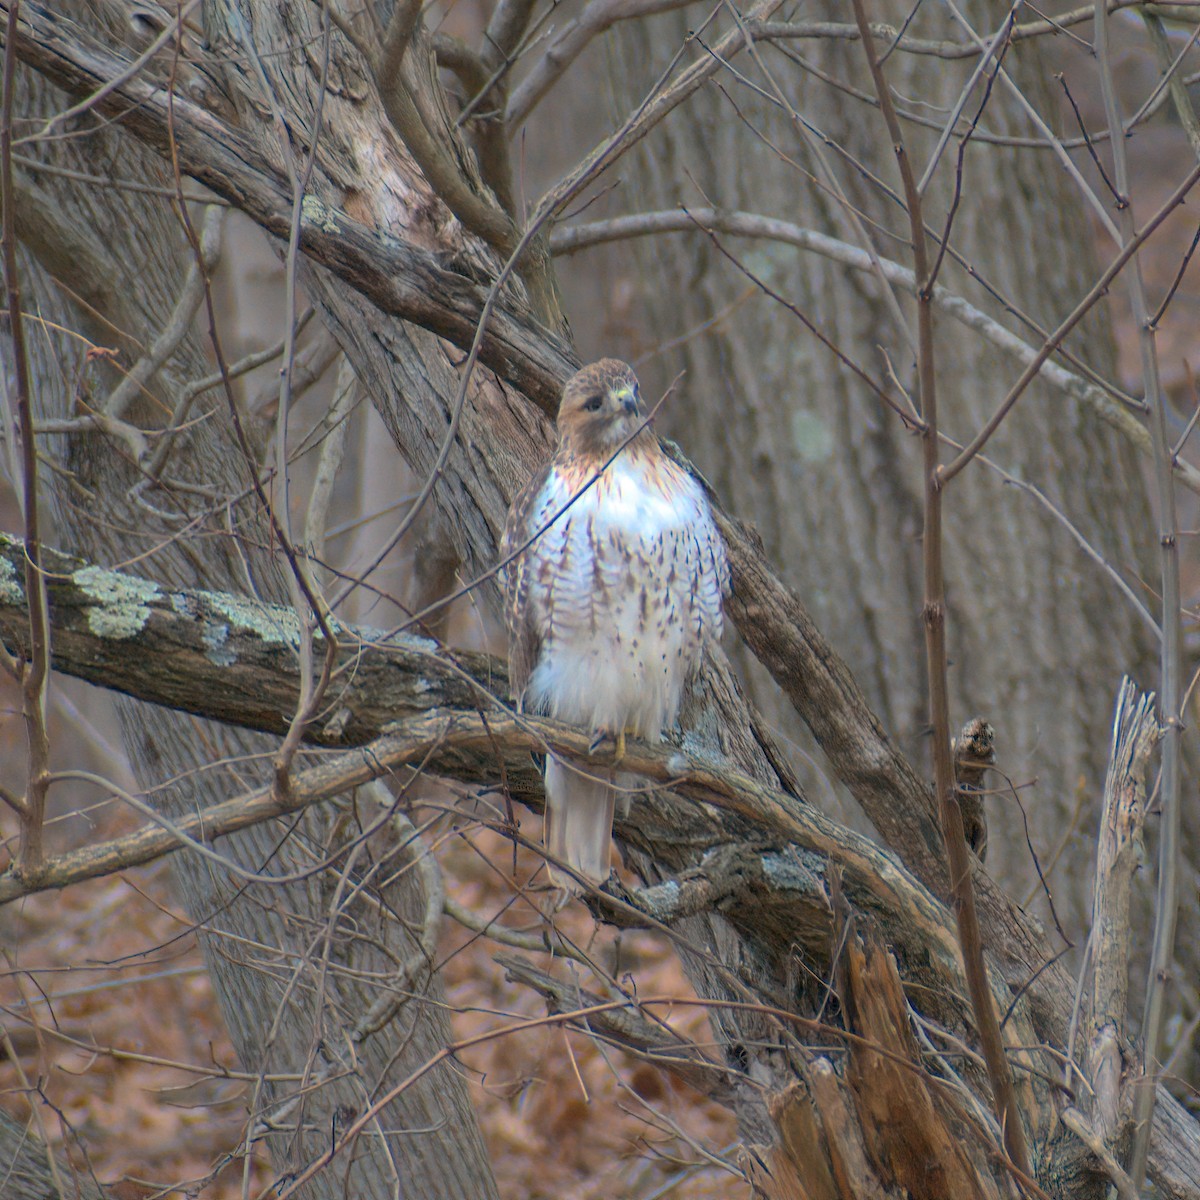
(524, 632)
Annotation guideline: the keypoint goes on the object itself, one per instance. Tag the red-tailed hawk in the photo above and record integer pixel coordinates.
(611, 604)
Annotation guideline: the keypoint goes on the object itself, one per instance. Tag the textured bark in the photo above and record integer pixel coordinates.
(291, 1003)
(28, 1173)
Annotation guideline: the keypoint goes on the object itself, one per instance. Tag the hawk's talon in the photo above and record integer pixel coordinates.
(602, 735)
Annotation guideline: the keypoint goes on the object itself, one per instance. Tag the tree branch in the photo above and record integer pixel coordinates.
(570, 239)
(1008, 1112)
(440, 293)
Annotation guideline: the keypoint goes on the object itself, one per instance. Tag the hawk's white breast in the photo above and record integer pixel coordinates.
(626, 585)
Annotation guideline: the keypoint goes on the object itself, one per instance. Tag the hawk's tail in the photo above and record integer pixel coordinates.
(578, 826)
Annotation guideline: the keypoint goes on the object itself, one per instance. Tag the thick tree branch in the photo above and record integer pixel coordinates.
(400, 278)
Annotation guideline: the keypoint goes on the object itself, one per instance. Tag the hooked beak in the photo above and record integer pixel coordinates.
(629, 400)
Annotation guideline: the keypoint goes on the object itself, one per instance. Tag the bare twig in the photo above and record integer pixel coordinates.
(178, 325)
(35, 674)
(569, 43)
(1052, 140)
(994, 49)
(1128, 250)
(506, 30)
(987, 1023)
(573, 238)
(1171, 666)
(1168, 296)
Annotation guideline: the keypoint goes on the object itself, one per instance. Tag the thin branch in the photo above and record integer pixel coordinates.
(192, 391)
(1169, 295)
(1087, 140)
(35, 675)
(178, 325)
(1170, 662)
(1128, 250)
(994, 49)
(506, 30)
(987, 1024)
(569, 43)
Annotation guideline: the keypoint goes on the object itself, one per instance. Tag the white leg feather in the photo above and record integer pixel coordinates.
(578, 826)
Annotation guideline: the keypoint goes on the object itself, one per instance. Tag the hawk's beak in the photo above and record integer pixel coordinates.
(629, 400)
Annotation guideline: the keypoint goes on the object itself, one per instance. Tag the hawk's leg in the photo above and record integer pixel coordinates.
(602, 735)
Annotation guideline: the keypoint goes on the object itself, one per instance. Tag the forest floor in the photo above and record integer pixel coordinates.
(105, 1000)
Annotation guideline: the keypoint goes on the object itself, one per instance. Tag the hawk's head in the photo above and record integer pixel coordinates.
(601, 408)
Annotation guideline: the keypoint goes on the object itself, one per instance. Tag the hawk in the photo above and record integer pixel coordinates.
(614, 577)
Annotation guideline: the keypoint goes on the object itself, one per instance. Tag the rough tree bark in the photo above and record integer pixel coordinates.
(413, 379)
(293, 974)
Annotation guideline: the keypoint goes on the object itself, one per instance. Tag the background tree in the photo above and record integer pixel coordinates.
(389, 156)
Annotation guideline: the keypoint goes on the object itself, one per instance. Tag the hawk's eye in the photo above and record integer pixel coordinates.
(592, 404)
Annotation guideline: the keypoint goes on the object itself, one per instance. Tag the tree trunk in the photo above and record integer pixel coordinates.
(295, 965)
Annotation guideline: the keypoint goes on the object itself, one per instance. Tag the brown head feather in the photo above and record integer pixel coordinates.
(601, 409)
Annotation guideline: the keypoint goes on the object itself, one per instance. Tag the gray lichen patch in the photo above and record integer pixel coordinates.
(794, 869)
(119, 610)
(273, 626)
(12, 589)
(215, 636)
(182, 603)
